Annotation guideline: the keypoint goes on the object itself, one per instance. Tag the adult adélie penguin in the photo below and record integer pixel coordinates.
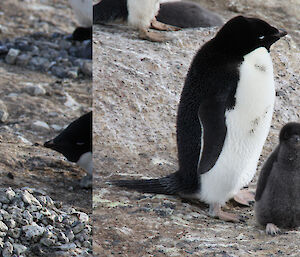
(224, 116)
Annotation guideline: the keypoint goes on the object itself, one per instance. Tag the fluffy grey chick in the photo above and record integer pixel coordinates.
(278, 189)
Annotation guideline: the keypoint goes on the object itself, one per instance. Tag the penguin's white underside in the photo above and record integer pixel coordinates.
(141, 12)
(247, 125)
(86, 162)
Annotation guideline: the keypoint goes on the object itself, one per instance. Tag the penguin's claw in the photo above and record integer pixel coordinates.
(272, 229)
(245, 197)
(216, 211)
(155, 24)
(152, 36)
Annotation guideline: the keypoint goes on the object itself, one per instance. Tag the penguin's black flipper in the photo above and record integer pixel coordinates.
(108, 10)
(264, 174)
(167, 185)
(211, 116)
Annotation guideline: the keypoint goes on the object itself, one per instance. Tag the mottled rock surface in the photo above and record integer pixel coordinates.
(137, 85)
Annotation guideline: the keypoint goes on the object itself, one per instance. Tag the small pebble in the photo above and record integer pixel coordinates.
(12, 56)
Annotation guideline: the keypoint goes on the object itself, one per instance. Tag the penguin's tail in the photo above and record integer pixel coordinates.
(167, 185)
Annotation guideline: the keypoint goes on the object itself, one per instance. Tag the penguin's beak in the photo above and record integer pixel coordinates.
(280, 33)
(49, 144)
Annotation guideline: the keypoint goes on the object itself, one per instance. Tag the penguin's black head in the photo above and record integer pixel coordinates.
(290, 134)
(75, 140)
(241, 35)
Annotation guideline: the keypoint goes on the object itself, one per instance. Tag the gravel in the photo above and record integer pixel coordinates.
(31, 222)
(55, 54)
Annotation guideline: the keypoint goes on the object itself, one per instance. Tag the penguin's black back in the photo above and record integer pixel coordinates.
(204, 81)
(109, 10)
(187, 15)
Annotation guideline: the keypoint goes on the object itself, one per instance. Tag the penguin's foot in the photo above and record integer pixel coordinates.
(272, 229)
(245, 197)
(216, 211)
(152, 36)
(155, 24)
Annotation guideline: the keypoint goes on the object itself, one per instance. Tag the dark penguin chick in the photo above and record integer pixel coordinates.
(84, 15)
(139, 14)
(278, 189)
(224, 116)
(75, 142)
(187, 15)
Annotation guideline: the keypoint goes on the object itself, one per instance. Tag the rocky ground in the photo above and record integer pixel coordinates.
(136, 90)
(36, 104)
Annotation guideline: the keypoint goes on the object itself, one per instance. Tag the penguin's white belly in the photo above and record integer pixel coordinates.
(86, 162)
(83, 11)
(141, 12)
(248, 125)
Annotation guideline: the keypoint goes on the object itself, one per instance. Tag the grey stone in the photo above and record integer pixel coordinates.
(59, 71)
(41, 124)
(19, 249)
(33, 231)
(67, 247)
(87, 244)
(40, 63)
(47, 234)
(5, 215)
(28, 216)
(14, 232)
(65, 44)
(50, 202)
(73, 73)
(3, 197)
(70, 235)
(10, 194)
(7, 249)
(11, 223)
(23, 59)
(29, 198)
(47, 241)
(35, 90)
(78, 228)
(42, 199)
(12, 56)
(87, 68)
(35, 50)
(3, 112)
(3, 226)
(3, 49)
(63, 238)
(83, 217)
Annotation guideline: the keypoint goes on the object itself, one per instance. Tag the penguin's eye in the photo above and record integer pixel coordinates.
(79, 143)
(261, 37)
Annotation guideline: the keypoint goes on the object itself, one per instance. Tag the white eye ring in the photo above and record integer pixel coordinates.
(261, 37)
(79, 143)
